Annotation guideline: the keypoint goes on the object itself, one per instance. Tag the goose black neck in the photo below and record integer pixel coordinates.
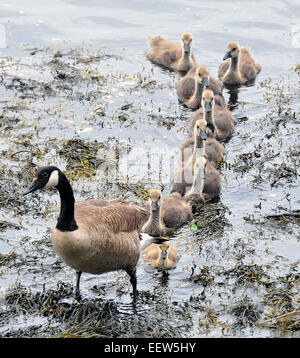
(66, 220)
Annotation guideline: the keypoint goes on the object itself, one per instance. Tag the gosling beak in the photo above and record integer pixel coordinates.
(207, 107)
(205, 82)
(186, 48)
(164, 254)
(32, 187)
(227, 55)
(154, 206)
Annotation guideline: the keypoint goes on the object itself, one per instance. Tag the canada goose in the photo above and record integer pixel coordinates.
(167, 213)
(219, 120)
(239, 66)
(94, 238)
(161, 256)
(172, 55)
(190, 87)
(206, 183)
(211, 148)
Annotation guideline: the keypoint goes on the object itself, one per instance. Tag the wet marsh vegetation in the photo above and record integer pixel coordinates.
(113, 124)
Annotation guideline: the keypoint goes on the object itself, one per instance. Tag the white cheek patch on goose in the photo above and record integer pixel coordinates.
(53, 180)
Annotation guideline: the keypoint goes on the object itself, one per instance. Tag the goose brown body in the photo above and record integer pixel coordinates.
(190, 87)
(239, 66)
(106, 240)
(170, 54)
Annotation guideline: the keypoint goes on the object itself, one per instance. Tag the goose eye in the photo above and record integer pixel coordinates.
(233, 49)
(44, 175)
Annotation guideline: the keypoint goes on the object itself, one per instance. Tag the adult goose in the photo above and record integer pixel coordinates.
(91, 237)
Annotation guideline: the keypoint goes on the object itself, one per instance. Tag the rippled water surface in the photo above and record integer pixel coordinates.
(77, 91)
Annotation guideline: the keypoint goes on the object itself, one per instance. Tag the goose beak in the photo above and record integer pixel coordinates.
(186, 48)
(154, 206)
(205, 82)
(32, 187)
(203, 134)
(227, 55)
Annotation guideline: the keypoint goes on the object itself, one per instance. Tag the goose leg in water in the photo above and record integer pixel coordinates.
(77, 292)
(133, 282)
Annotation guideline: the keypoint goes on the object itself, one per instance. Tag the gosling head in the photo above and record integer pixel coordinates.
(208, 100)
(202, 75)
(200, 129)
(186, 39)
(155, 200)
(232, 50)
(164, 247)
(45, 178)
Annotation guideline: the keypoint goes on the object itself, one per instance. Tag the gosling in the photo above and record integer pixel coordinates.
(177, 57)
(219, 120)
(238, 66)
(191, 86)
(211, 148)
(161, 256)
(95, 238)
(167, 213)
(206, 183)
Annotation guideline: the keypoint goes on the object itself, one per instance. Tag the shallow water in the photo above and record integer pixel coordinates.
(79, 72)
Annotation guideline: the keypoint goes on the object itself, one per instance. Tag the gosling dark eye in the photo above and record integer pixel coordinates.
(233, 49)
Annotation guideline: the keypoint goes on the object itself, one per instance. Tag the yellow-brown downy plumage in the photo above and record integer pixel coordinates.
(178, 57)
(239, 67)
(190, 87)
(161, 256)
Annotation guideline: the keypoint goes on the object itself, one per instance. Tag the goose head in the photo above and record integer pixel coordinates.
(200, 129)
(232, 50)
(202, 75)
(45, 178)
(155, 200)
(186, 40)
